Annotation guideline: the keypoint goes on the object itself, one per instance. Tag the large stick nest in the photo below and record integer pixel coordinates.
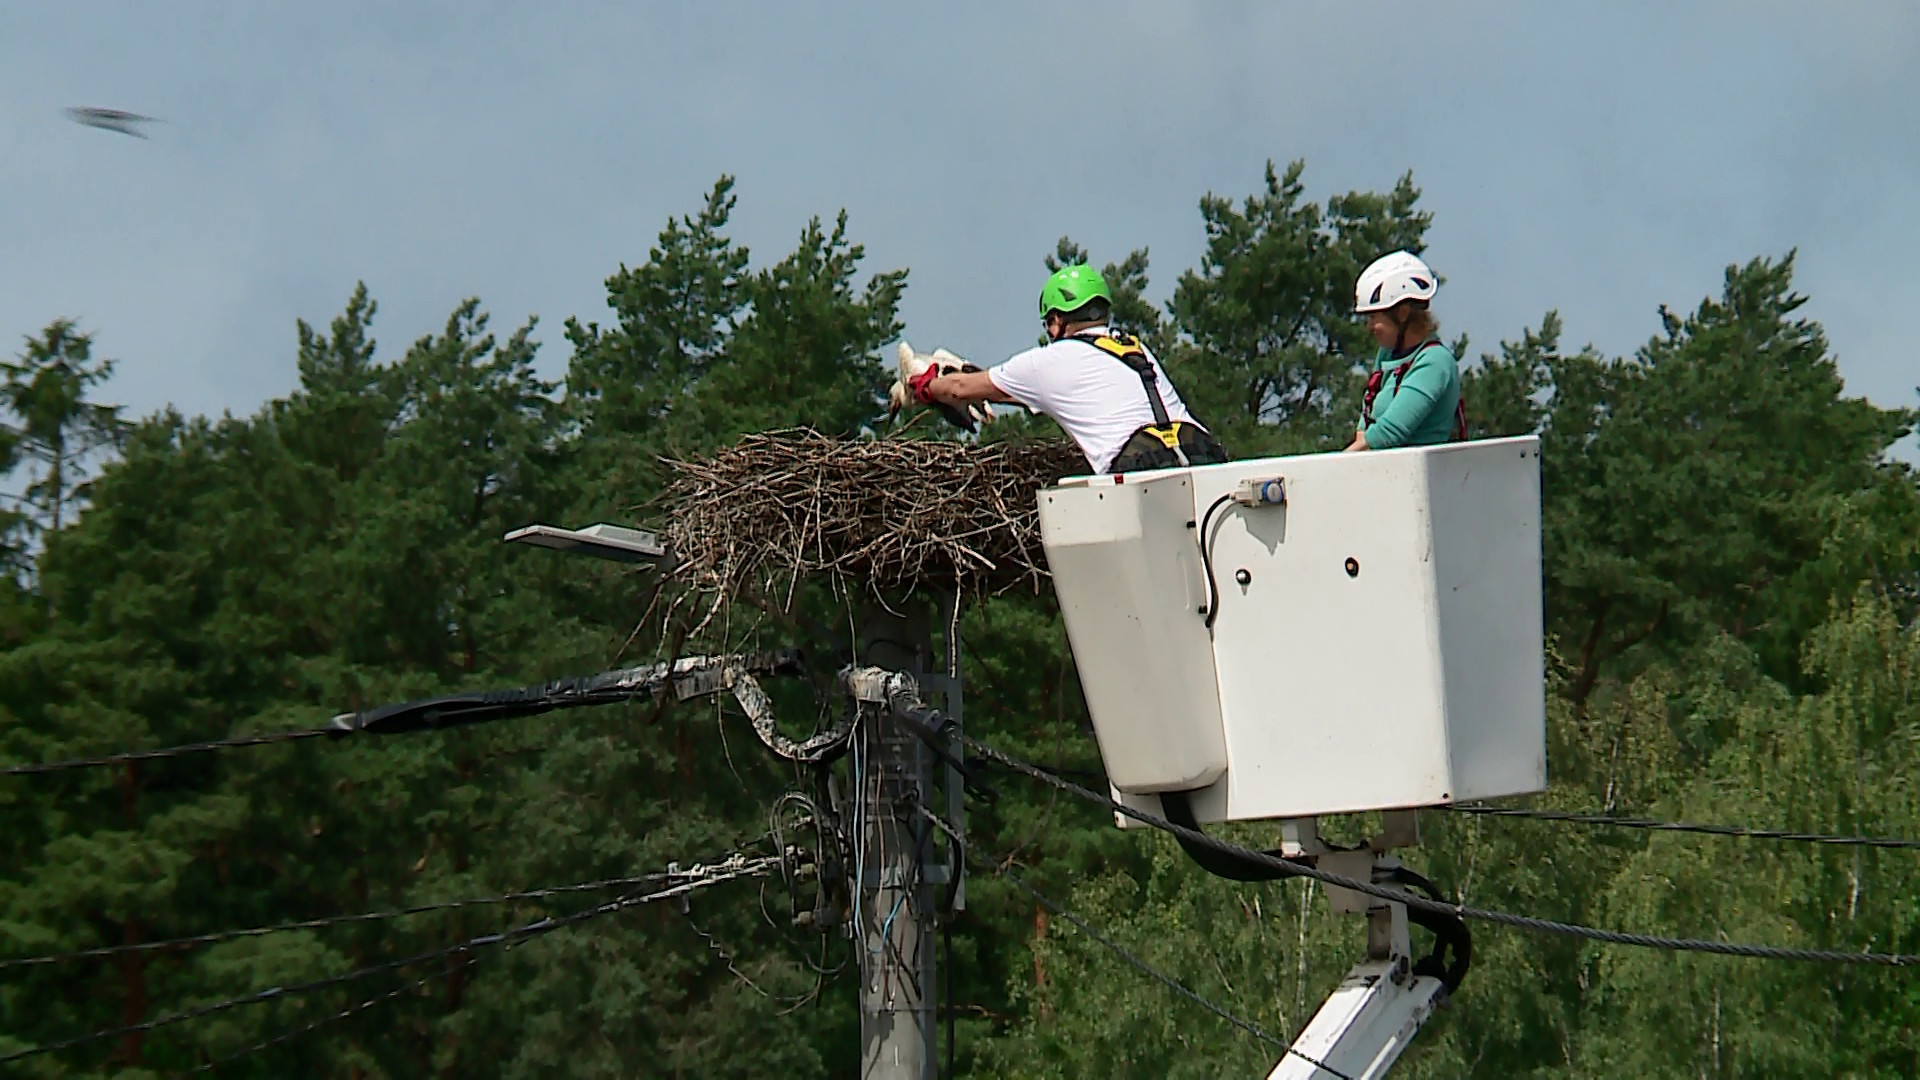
(873, 514)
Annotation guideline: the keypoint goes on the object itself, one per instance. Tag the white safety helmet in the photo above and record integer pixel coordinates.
(1391, 279)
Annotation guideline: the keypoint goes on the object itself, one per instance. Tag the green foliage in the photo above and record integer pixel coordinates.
(341, 548)
(1272, 347)
(1695, 488)
(704, 349)
(1733, 568)
(807, 351)
(57, 432)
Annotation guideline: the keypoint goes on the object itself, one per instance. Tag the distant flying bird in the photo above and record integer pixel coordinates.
(110, 120)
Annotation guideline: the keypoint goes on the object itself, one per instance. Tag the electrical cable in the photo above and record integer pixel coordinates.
(1162, 977)
(726, 957)
(1121, 951)
(312, 1025)
(1450, 935)
(686, 677)
(957, 874)
(859, 840)
(404, 988)
(1608, 821)
(683, 677)
(789, 874)
(1177, 808)
(267, 739)
(330, 920)
(1523, 922)
(1206, 561)
(737, 866)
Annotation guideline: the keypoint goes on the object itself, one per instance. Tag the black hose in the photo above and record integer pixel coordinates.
(1450, 934)
(1214, 861)
(1206, 561)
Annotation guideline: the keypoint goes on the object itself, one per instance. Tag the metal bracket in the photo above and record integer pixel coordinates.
(952, 869)
(1398, 829)
(1368, 1021)
(868, 685)
(1301, 836)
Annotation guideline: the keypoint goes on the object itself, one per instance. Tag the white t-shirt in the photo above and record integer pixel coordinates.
(1098, 400)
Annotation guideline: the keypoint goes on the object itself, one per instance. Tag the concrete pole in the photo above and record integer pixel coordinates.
(898, 945)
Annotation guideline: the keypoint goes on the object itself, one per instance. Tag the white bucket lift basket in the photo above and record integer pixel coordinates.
(1377, 643)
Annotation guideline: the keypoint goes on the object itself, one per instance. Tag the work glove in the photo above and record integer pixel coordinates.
(922, 384)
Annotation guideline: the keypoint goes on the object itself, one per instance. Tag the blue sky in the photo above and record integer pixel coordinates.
(1600, 159)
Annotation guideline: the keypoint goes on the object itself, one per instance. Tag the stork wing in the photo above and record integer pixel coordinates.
(110, 120)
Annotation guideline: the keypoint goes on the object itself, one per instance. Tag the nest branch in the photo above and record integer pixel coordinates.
(885, 515)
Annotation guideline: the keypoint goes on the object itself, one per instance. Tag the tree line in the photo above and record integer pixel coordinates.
(1732, 576)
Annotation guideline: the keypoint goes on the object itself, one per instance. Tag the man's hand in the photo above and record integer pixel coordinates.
(918, 373)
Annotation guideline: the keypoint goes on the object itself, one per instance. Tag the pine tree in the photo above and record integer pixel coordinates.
(57, 427)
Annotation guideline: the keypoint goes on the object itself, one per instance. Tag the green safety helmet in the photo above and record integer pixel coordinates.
(1070, 288)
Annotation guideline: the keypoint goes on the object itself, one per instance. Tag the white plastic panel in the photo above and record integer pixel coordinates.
(1384, 652)
(1491, 618)
(1324, 671)
(1128, 575)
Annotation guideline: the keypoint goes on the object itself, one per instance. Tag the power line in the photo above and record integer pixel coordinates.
(1162, 977)
(294, 1033)
(1502, 918)
(686, 677)
(334, 920)
(1608, 821)
(267, 739)
(407, 988)
(1127, 955)
(736, 866)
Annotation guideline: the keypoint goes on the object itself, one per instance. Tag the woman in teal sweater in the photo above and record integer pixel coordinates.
(1413, 392)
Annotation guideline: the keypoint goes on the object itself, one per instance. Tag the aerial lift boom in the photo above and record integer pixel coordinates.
(1289, 638)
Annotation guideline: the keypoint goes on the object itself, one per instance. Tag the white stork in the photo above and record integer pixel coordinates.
(912, 364)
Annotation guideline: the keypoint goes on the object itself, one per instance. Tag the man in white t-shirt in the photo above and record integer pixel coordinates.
(1104, 389)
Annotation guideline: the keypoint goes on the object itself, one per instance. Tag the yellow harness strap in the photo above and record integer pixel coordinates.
(1127, 349)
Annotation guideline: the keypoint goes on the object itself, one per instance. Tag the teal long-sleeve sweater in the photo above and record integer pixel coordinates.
(1417, 410)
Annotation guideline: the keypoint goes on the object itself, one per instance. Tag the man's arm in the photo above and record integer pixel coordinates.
(967, 387)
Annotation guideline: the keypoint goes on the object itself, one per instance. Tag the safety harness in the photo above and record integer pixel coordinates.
(1166, 443)
(1378, 379)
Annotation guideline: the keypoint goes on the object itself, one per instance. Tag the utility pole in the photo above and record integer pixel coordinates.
(898, 890)
(895, 894)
